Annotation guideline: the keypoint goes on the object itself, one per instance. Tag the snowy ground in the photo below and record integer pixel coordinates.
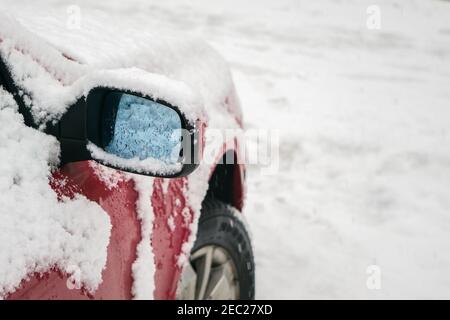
(364, 176)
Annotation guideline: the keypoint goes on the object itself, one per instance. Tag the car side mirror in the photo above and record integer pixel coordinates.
(131, 132)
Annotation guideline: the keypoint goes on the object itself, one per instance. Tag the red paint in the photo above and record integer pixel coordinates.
(120, 204)
(167, 244)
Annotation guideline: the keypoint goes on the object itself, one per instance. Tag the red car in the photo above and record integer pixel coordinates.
(124, 128)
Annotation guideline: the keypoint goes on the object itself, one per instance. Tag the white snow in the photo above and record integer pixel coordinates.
(364, 164)
(157, 86)
(38, 232)
(144, 267)
(140, 166)
(363, 118)
(41, 72)
(52, 82)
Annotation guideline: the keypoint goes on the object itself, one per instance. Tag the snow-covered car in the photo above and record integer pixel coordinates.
(120, 139)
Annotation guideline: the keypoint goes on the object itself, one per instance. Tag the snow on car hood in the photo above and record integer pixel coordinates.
(54, 70)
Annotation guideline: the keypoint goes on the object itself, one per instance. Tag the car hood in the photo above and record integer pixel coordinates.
(55, 65)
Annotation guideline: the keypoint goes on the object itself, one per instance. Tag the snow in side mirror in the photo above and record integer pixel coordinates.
(131, 132)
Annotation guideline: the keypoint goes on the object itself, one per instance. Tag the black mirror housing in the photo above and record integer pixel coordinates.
(84, 124)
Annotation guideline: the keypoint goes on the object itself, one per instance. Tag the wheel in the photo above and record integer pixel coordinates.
(221, 263)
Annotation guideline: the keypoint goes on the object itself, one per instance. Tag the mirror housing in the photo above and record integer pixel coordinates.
(164, 144)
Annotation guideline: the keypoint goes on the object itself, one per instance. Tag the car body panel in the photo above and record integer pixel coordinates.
(120, 204)
(169, 198)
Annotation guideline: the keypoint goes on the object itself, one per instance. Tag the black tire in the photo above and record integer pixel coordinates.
(219, 226)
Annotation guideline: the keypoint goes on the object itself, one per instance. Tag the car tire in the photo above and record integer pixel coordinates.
(221, 227)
